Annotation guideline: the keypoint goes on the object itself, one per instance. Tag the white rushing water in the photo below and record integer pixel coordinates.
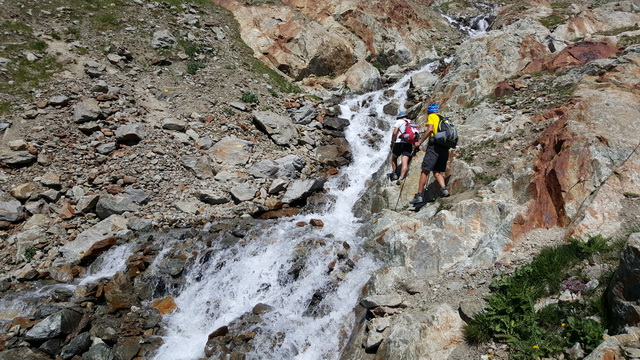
(230, 282)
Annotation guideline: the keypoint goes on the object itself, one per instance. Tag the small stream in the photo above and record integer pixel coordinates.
(309, 276)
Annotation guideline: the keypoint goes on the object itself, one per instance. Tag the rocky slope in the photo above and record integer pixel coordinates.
(120, 118)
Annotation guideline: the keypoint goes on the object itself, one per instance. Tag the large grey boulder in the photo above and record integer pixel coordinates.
(72, 251)
(17, 157)
(363, 77)
(243, 192)
(200, 166)
(58, 324)
(304, 115)
(231, 150)
(163, 39)
(301, 189)
(131, 132)
(11, 211)
(109, 205)
(279, 128)
(85, 111)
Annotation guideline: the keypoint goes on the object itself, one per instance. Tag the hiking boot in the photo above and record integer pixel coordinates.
(417, 199)
(444, 192)
(393, 176)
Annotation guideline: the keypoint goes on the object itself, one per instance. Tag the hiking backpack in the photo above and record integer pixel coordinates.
(447, 134)
(411, 133)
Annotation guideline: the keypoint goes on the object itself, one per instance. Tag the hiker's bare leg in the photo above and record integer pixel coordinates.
(439, 178)
(394, 163)
(424, 176)
(405, 166)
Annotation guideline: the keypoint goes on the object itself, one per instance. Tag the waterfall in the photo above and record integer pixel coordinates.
(309, 278)
(475, 26)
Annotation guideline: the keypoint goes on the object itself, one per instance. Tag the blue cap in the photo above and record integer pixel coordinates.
(401, 114)
(433, 108)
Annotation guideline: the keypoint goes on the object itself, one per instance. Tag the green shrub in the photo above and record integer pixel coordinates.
(29, 253)
(194, 66)
(510, 316)
(250, 98)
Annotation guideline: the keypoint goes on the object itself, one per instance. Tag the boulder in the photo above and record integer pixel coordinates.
(23, 191)
(231, 150)
(279, 128)
(109, 205)
(87, 110)
(120, 293)
(212, 197)
(243, 192)
(61, 323)
(163, 39)
(76, 346)
(363, 77)
(131, 132)
(303, 115)
(301, 189)
(73, 251)
(17, 157)
(11, 211)
(174, 124)
(200, 166)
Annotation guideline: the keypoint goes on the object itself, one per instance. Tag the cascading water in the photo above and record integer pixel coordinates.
(309, 277)
(475, 26)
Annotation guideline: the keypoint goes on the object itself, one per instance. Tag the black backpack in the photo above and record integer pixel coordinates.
(447, 134)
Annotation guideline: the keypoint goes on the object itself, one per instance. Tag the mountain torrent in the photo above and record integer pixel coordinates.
(194, 179)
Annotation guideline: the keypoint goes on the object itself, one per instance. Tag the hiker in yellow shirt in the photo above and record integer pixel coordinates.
(435, 158)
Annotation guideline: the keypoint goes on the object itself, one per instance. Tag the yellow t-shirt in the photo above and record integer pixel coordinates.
(434, 119)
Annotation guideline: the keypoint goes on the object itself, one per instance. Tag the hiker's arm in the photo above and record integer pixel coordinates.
(394, 136)
(424, 136)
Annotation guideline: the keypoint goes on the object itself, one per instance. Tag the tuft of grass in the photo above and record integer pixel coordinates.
(5, 107)
(618, 31)
(552, 21)
(250, 98)
(194, 66)
(29, 253)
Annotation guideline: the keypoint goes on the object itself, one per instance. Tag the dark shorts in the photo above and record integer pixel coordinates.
(404, 149)
(436, 158)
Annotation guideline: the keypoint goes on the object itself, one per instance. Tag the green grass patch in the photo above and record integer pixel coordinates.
(194, 66)
(24, 74)
(627, 41)
(552, 21)
(618, 31)
(5, 107)
(510, 316)
(250, 98)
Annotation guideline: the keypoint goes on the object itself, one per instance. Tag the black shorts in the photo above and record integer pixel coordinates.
(404, 149)
(436, 158)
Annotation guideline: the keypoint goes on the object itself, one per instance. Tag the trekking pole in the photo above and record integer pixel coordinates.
(413, 153)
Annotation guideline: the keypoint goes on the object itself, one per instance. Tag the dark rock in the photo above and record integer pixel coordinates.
(23, 353)
(623, 293)
(76, 346)
(99, 351)
(51, 347)
(301, 189)
(127, 348)
(120, 293)
(137, 195)
(335, 123)
(56, 325)
(59, 100)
